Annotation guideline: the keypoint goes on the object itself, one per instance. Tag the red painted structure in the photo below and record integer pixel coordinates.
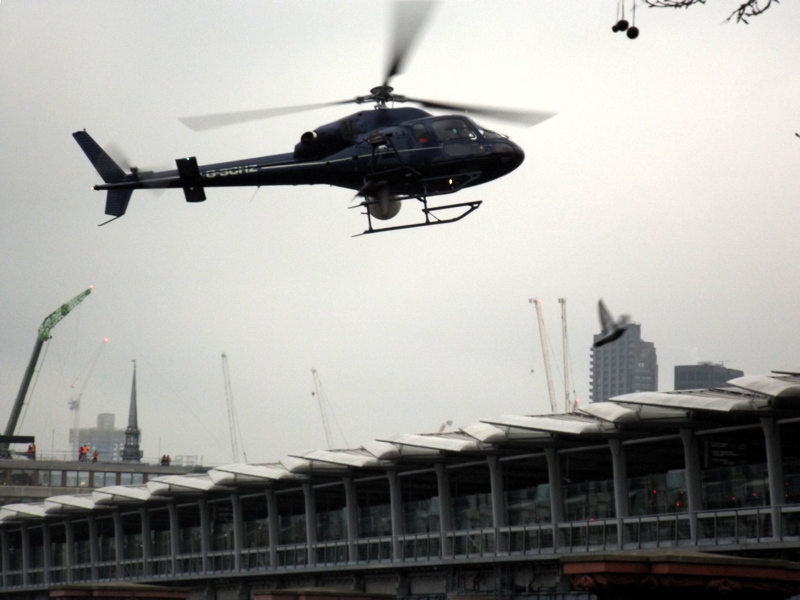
(685, 575)
(319, 594)
(117, 592)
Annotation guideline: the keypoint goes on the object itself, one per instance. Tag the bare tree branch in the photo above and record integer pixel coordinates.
(751, 8)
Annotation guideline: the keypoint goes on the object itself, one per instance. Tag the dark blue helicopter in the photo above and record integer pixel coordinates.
(386, 155)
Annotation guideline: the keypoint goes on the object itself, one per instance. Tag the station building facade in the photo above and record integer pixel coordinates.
(490, 508)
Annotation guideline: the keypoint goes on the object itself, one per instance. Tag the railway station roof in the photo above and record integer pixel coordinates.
(746, 400)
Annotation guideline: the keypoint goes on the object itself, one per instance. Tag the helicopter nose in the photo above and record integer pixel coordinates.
(510, 154)
(519, 155)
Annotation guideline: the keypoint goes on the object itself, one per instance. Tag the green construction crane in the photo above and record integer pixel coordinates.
(43, 335)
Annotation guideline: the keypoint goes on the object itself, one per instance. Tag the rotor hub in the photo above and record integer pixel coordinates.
(382, 94)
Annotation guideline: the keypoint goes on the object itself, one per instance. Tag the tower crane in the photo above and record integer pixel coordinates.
(568, 402)
(233, 421)
(545, 354)
(324, 407)
(77, 393)
(43, 335)
(320, 398)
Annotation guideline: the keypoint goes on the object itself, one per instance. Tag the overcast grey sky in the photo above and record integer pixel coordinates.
(667, 184)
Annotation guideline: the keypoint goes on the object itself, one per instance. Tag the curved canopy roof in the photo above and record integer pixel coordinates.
(638, 414)
(552, 424)
(241, 473)
(718, 400)
(776, 386)
(66, 503)
(22, 511)
(180, 484)
(115, 494)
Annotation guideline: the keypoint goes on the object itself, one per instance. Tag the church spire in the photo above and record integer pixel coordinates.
(131, 452)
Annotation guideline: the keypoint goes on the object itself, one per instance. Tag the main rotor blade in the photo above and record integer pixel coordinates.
(204, 122)
(525, 117)
(409, 19)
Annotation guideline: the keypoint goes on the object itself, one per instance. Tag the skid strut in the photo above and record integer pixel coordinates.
(430, 217)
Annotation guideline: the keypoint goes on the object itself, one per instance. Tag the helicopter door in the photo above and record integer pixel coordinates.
(458, 138)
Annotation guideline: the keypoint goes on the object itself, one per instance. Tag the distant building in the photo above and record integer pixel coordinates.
(704, 375)
(108, 441)
(622, 367)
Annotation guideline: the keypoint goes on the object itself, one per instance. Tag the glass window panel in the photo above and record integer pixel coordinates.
(589, 500)
(22, 477)
(528, 505)
(473, 511)
(421, 516)
(735, 487)
(659, 493)
(332, 525)
(375, 521)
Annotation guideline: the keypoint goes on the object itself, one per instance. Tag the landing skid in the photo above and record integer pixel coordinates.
(430, 217)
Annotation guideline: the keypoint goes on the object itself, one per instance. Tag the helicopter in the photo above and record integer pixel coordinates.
(386, 154)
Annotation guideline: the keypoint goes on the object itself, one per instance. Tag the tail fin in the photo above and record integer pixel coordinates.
(105, 165)
(111, 172)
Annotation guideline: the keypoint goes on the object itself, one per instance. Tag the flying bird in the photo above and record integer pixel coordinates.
(611, 330)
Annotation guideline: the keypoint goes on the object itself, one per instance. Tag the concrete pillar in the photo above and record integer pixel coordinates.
(351, 510)
(119, 548)
(26, 554)
(5, 554)
(777, 497)
(555, 479)
(238, 531)
(445, 509)
(147, 541)
(94, 547)
(205, 534)
(498, 501)
(273, 527)
(69, 555)
(396, 509)
(311, 522)
(694, 485)
(174, 536)
(619, 469)
(47, 553)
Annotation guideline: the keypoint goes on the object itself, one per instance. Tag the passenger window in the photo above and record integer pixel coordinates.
(453, 129)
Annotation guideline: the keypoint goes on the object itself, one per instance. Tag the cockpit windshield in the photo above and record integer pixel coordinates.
(493, 135)
(453, 129)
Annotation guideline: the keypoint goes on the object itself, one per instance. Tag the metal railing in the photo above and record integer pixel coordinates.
(741, 527)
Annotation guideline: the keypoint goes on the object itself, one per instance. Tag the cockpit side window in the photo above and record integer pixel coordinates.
(453, 129)
(421, 133)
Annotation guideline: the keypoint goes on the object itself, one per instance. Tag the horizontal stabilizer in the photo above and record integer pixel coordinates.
(189, 172)
(105, 165)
